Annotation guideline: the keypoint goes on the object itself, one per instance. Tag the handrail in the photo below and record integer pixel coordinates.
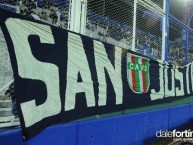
(5, 86)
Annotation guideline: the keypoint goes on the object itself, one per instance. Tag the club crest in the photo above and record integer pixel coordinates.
(138, 73)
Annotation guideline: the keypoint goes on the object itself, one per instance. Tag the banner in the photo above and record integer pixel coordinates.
(62, 76)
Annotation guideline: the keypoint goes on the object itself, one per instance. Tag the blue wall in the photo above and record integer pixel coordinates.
(128, 129)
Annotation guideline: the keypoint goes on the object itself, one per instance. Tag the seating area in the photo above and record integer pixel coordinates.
(7, 119)
(99, 27)
(12, 9)
(52, 11)
(111, 31)
(102, 28)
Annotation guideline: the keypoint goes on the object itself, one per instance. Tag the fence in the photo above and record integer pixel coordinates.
(140, 25)
(180, 42)
(148, 31)
(110, 21)
(151, 27)
(130, 24)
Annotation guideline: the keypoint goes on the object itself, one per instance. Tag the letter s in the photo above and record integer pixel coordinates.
(27, 63)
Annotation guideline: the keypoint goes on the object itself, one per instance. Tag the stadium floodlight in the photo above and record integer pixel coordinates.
(184, 2)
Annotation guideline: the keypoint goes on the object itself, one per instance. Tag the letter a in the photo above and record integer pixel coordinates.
(78, 63)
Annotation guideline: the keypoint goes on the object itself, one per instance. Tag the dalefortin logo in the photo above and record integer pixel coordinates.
(175, 134)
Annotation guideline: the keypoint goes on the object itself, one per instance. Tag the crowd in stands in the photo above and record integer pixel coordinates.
(51, 11)
(109, 30)
(148, 44)
(103, 28)
(177, 52)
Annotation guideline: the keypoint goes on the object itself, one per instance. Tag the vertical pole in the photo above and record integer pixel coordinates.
(164, 33)
(186, 61)
(83, 16)
(71, 15)
(186, 20)
(134, 24)
(75, 15)
(165, 30)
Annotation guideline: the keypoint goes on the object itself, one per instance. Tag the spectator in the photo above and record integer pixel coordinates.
(54, 17)
(44, 16)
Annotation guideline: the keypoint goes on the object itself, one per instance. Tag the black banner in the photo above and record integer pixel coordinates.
(62, 76)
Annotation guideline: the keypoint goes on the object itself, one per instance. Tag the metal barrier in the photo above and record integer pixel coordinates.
(110, 21)
(148, 31)
(132, 24)
(140, 25)
(180, 42)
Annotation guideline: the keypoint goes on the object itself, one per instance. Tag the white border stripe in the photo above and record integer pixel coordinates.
(129, 74)
(140, 76)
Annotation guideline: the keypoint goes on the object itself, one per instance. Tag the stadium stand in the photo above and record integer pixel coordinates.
(109, 30)
(103, 28)
(56, 12)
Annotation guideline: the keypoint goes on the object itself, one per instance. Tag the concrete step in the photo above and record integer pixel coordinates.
(5, 112)
(5, 109)
(6, 119)
(9, 124)
(1, 97)
(9, 121)
(5, 103)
